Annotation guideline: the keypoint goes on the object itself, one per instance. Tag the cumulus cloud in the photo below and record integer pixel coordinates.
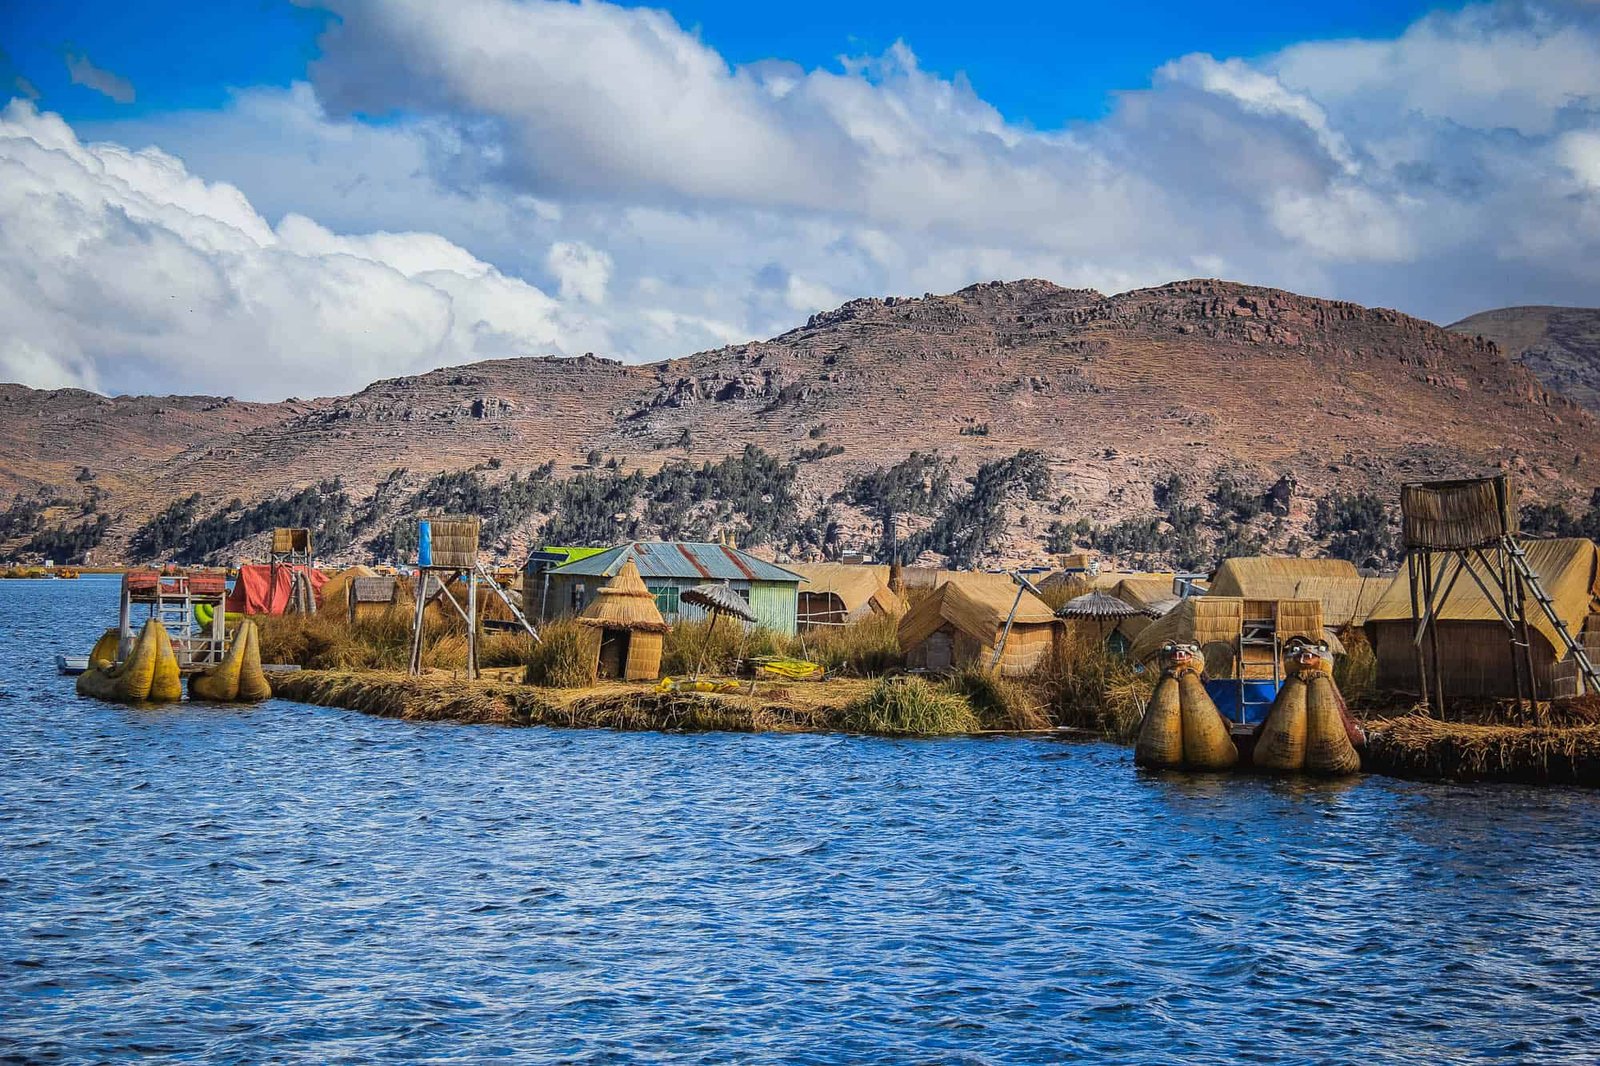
(593, 177)
(581, 271)
(121, 271)
(1337, 165)
(82, 72)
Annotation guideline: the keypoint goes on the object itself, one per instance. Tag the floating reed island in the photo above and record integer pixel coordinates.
(1562, 750)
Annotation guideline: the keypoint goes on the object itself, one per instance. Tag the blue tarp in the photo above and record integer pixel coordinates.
(1224, 692)
(424, 544)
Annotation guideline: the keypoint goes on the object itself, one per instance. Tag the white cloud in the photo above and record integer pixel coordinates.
(668, 200)
(581, 271)
(120, 270)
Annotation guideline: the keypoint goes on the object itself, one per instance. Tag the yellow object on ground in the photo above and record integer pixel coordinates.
(1206, 743)
(1160, 743)
(253, 686)
(1182, 728)
(129, 682)
(238, 676)
(104, 652)
(205, 612)
(685, 684)
(220, 683)
(789, 669)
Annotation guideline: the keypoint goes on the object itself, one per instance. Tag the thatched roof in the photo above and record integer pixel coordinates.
(625, 603)
(1097, 605)
(333, 593)
(1470, 513)
(1346, 596)
(978, 608)
(1569, 570)
(863, 590)
(1144, 592)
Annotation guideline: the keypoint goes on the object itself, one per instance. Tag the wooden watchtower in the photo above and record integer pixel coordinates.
(447, 553)
(1469, 527)
(291, 549)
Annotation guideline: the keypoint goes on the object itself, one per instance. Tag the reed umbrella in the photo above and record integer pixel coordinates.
(1097, 605)
(718, 600)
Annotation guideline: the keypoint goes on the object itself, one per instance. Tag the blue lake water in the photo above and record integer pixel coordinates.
(294, 883)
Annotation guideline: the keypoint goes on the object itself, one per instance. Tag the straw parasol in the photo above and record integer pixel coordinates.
(718, 600)
(1097, 605)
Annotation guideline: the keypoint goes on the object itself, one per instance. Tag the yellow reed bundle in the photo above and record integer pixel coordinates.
(166, 682)
(1328, 747)
(1206, 743)
(253, 686)
(1160, 742)
(129, 682)
(1281, 744)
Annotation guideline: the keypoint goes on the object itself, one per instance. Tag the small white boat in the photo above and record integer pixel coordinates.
(72, 665)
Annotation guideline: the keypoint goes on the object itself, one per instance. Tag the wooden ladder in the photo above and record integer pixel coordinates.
(516, 612)
(1575, 647)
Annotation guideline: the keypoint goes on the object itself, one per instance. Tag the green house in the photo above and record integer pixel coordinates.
(668, 569)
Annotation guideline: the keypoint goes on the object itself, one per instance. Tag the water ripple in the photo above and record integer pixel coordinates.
(308, 885)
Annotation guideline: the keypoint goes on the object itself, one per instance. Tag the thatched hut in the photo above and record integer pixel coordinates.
(832, 594)
(961, 622)
(630, 625)
(1474, 644)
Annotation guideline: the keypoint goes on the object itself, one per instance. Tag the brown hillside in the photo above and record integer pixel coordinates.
(1119, 391)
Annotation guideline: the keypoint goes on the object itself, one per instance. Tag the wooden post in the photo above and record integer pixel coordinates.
(1508, 598)
(1433, 634)
(1527, 639)
(219, 628)
(416, 625)
(472, 624)
(124, 622)
(1414, 572)
(1000, 646)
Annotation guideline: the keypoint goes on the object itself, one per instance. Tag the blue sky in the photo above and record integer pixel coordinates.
(1042, 63)
(265, 199)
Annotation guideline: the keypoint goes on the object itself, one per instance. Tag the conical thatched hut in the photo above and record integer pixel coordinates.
(630, 625)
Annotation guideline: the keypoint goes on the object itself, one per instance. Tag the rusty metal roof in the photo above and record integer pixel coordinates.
(679, 559)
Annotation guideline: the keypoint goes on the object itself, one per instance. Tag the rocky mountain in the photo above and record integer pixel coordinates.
(1133, 403)
(1561, 345)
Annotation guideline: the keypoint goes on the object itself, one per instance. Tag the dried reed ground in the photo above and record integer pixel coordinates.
(1428, 749)
(440, 697)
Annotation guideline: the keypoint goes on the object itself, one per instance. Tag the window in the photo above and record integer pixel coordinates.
(666, 599)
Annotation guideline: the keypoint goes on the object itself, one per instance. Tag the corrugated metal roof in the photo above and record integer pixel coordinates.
(679, 559)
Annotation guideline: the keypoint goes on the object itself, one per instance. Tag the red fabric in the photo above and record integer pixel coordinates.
(264, 589)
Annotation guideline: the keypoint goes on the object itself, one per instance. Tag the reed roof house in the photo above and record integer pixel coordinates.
(963, 621)
(668, 569)
(1474, 650)
(837, 593)
(1347, 597)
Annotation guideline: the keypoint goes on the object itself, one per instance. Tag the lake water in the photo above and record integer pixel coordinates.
(296, 883)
